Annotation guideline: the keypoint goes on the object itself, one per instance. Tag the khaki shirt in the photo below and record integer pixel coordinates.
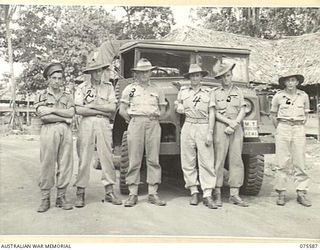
(145, 101)
(48, 99)
(99, 94)
(196, 104)
(228, 102)
(289, 108)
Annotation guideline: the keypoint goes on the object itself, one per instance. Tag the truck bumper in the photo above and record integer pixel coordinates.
(257, 148)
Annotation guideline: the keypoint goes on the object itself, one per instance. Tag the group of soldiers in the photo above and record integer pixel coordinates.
(211, 134)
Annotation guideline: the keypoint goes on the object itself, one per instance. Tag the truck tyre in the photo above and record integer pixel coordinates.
(117, 92)
(124, 164)
(254, 169)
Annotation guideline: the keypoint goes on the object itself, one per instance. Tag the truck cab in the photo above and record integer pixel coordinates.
(172, 60)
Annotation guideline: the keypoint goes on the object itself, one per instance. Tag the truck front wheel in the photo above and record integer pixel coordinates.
(124, 164)
(254, 170)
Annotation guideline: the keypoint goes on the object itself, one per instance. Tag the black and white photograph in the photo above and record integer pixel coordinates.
(164, 121)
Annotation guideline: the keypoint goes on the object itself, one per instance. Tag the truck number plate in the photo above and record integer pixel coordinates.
(250, 128)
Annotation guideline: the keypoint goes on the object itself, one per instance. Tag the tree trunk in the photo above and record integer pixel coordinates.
(127, 9)
(9, 10)
(28, 109)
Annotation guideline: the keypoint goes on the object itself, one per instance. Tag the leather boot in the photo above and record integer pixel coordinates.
(281, 201)
(217, 199)
(303, 199)
(155, 199)
(236, 200)
(45, 201)
(208, 202)
(194, 201)
(131, 201)
(80, 197)
(110, 197)
(61, 200)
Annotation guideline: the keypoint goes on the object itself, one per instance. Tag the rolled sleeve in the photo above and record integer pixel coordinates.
(112, 96)
(70, 102)
(179, 99)
(162, 100)
(307, 104)
(241, 97)
(40, 101)
(274, 104)
(78, 97)
(212, 101)
(125, 95)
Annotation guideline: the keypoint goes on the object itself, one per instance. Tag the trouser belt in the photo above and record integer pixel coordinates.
(56, 123)
(197, 120)
(291, 123)
(146, 116)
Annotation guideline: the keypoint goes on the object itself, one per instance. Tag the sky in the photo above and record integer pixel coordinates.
(180, 13)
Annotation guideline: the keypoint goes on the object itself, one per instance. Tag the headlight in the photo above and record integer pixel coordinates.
(248, 107)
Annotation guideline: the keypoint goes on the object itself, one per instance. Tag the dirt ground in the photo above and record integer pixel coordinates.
(20, 197)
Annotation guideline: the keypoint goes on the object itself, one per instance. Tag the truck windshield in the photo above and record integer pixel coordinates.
(169, 63)
(172, 63)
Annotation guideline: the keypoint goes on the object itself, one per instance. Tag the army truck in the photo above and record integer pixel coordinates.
(172, 60)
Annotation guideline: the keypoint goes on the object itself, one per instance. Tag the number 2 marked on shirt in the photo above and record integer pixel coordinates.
(88, 94)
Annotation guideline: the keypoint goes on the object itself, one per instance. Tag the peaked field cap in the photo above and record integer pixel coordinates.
(143, 65)
(195, 68)
(299, 77)
(94, 62)
(224, 68)
(52, 68)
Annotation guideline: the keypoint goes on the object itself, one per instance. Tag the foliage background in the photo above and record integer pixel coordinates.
(44, 33)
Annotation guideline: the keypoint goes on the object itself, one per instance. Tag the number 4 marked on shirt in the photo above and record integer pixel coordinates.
(196, 100)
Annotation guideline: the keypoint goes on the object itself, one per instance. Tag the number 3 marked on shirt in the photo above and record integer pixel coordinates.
(132, 92)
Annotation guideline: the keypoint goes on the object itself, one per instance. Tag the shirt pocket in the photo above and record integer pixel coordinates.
(186, 101)
(78, 98)
(221, 103)
(284, 110)
(136, 99)
(235, 100)
(300, 110)
(101, 100)
(103, 95)
(204, 103)
(153, 99)
(64, 103)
